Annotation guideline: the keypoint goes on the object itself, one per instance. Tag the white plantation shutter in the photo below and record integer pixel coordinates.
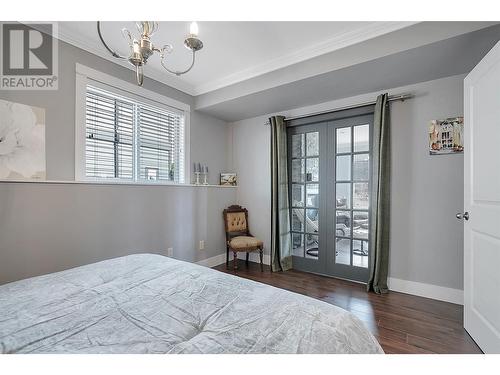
(109, 136)
(129, 140)
(159, 138)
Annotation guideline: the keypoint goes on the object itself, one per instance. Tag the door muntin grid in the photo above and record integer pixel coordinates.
(352, 195)
(305, 189)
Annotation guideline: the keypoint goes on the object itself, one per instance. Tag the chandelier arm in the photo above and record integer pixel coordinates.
(177, 72)
(113, 53)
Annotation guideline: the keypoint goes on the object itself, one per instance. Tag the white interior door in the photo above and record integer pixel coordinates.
(482, 202)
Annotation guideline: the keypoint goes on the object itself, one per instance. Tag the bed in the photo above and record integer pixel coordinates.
(147, 303)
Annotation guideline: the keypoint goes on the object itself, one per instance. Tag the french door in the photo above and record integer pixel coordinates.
(329, 182)
(482, 203)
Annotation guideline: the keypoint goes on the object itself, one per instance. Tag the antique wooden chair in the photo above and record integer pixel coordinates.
(238, 237)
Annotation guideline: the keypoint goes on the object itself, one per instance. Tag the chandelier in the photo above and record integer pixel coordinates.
(142, 48)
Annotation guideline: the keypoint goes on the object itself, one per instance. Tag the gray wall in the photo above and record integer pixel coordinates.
(50, 227)
(209, 144)
(427, 191)
(251, 161)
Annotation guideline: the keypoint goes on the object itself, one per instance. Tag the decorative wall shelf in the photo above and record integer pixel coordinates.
(114, 183)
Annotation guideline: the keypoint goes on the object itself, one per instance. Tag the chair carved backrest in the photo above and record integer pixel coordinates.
(236, 221)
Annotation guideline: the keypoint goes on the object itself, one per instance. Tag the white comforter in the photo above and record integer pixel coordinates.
(152, 304)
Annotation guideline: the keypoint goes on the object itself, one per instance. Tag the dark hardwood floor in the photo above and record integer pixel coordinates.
(402, 323)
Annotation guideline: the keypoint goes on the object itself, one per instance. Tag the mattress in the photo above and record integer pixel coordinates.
(148, 303)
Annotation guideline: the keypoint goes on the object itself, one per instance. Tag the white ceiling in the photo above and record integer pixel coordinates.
(233, 51)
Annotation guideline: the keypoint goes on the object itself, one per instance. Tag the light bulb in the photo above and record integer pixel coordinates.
(193, 29)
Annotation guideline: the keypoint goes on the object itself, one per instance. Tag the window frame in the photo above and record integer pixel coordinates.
(88, 76)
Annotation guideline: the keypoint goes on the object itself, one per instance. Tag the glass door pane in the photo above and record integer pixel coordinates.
(361, 138)
(298, 244)
(343, 168)
(312, 141)
(360, 253)
(312, 170)
(343, 195)
(297, 145)
(361, 166)
(298, 170)
(297, 195)
(343, 142)
(312, 195)
(342, 251)
(360, 196)
(312, 246)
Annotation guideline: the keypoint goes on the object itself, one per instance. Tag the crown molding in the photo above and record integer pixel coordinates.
(165, 78)
(372, 30)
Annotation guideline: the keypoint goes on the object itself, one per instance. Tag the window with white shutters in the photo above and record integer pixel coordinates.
(130, 140)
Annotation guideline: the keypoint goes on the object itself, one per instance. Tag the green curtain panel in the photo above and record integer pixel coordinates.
(281, 250)
(380, 197)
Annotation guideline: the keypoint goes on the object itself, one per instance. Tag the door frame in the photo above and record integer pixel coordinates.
(326, 125)
(343, 271)
(303, 263)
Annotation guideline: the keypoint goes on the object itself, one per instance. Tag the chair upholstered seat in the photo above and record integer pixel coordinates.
(245, 243)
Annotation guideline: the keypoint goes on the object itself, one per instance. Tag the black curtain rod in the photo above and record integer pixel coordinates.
(392, 98)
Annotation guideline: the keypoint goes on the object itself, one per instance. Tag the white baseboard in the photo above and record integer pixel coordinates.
(440, 293)
(213, 261)
(221, 259)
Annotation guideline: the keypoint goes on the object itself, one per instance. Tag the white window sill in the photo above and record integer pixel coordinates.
(103, 182)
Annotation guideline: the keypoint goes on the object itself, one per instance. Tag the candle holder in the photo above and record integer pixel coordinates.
(205, 178)
(197, 178)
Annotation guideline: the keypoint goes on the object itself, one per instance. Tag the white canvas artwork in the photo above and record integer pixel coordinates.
(446, 136)
(22, 141)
